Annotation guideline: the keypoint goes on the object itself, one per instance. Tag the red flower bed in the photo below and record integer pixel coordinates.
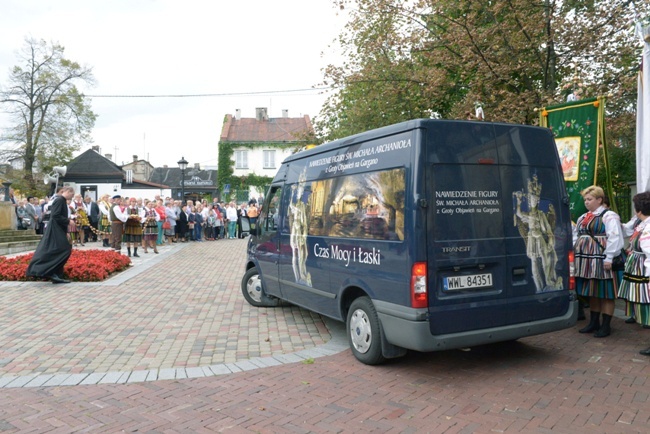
(83, 265)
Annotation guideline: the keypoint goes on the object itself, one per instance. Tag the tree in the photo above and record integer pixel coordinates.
(440, 57)
(50, 118)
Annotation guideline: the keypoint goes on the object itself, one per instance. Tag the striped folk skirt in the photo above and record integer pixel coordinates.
(635, 288)
(592, 280)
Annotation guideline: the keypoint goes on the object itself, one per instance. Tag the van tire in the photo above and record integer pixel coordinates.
(364, 332)
(253, 291)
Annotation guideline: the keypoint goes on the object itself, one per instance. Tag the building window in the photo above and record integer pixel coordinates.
(241, 159)
(269, 159)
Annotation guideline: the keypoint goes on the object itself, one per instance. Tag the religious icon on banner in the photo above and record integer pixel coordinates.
(569, 150)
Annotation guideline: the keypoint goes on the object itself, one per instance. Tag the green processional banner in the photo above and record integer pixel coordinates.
(578, 128)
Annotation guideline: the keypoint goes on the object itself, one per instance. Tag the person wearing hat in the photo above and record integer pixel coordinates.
(117, 217)
(54, 249)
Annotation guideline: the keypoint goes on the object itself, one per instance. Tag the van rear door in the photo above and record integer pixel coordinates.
(484, 271)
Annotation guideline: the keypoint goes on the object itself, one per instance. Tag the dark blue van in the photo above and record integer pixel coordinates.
(425, 235)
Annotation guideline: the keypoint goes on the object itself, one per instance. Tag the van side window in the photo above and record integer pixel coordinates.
(366, 205)
(270, 213)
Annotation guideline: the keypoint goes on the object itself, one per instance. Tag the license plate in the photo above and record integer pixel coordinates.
(471, 281)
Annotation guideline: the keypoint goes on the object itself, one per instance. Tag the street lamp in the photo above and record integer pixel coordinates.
(182, 164)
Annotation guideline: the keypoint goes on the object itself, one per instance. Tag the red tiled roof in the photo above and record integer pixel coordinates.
(276, 130)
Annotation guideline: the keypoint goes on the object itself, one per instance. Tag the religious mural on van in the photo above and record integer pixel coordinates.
(299, 228)
(366, 206)
(537, 228)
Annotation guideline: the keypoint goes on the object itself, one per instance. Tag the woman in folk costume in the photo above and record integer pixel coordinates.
(635, 287)
(82, 218)
(133, 227)
(104, 221)
(597, 240)
(151, 219)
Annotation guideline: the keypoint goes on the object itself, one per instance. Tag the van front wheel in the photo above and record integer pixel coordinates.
(364, 332)
(251, 288)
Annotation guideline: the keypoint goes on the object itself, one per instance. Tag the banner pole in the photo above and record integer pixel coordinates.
(602, 140)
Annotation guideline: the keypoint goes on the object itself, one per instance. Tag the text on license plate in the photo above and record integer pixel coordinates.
(467, 282)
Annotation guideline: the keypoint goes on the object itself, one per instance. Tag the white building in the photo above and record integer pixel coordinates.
(258, 146)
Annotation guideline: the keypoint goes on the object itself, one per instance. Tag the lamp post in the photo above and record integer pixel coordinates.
(182, 164)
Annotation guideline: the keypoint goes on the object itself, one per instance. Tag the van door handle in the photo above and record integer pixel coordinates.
(519, 276)
(518, 272)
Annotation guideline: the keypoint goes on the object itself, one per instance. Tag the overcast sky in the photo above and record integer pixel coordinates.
(173, 47)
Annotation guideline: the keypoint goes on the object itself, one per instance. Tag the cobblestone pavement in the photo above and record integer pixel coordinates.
(171, 313)
(161, 320)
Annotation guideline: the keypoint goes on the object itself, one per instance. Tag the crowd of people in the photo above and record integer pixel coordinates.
(143, 223)
(606, 271)
(150, 223)
(67, 219)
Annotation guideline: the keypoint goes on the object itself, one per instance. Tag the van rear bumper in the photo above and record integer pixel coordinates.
(411, 330)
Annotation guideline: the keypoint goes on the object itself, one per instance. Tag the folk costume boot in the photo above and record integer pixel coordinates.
(604, 329)
(128, 250)
(135, 252)
(594, 323)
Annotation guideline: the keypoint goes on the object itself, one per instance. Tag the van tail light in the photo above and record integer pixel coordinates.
(419, 295)
(572, 271)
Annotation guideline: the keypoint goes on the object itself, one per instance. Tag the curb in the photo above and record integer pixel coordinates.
(335, 345)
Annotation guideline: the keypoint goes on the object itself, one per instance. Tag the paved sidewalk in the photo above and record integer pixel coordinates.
(177, 314)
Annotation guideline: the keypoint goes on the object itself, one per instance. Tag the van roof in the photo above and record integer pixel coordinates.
(388, 131)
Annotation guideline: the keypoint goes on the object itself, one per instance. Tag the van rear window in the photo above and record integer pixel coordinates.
(468, 201)
(368, 205)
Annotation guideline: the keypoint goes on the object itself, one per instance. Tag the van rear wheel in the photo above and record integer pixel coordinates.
(253, 291)
(364, 332)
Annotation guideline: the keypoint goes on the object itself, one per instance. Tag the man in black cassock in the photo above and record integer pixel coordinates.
(54, 249)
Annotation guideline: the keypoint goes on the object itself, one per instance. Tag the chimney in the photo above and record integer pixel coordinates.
(135, 158)
(238, 114)
(197, 166)
(261, 114)
(285, 113)
(109, 156)
(164, 166)
(96, 148)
